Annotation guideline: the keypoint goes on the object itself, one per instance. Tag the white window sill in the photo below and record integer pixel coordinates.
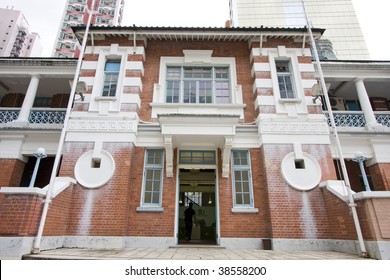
(106, 98)
(150, 209)
(245, 210)
(201, 109)
(290, 100)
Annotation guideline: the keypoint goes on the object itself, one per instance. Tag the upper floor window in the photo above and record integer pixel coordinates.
(199, 85)
(285, 79)
(110, 78)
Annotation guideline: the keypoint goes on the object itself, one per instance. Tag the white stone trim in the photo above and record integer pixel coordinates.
(90, 65)
(198, 56)
(150, 209)
(133, 82)
(306, 67)
(372, 194)
(135, 65)
(242, 210)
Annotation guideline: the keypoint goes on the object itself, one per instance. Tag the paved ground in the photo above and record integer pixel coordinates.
(190, 253)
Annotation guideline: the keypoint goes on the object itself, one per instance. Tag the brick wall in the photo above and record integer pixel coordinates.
(11, 173)
(341, 225)
(380, 175)
(245, 225)
(150, 223)
(20, 215)
(296, 214)
(101, 211)
(374, 216)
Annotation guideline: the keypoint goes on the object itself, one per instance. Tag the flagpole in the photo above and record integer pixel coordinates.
(38, 239)
(351, 203)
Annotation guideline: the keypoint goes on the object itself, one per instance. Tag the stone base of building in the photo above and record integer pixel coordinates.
(16, 247)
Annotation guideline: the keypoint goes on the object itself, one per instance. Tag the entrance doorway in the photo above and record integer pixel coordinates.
(198, 186)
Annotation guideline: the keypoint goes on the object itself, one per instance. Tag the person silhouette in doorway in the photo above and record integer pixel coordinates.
(188, 214)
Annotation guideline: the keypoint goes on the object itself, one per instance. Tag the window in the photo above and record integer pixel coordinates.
(197, 85)
(285, 79)
(197, 157)
(242, 181)
(153, 174)
(111, 74)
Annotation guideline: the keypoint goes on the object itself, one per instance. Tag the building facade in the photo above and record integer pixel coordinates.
(221, 117)
(15, 37)
(338, 17)
(108, 13)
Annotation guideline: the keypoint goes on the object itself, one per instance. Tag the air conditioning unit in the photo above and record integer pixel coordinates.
(337, 103)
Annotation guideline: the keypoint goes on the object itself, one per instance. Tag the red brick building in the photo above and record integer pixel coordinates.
(221, 117)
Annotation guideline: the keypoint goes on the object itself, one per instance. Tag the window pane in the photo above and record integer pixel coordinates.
(246, 198)
(173, 73)
(155, 198)
(189, 95)
(173, 92)
(245, 187)
(237, 176)
(112, 66)
(147, 197)
(245, 176)
(238, 186)
(154, 157)
(222, 73)
(238, 199)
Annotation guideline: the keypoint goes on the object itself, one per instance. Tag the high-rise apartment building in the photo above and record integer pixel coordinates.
(108, 13)
(338, 17)
(15, 38)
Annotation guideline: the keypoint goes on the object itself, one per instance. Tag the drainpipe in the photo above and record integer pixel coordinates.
(38, 239)
(351, 203)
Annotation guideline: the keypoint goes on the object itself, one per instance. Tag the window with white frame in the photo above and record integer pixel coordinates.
(242, 179)
(110, 78)
(153, 174)
(285, 79)
(197, 85)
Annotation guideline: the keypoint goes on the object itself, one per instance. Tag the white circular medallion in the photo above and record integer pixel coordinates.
(302, 174)
(91, 173)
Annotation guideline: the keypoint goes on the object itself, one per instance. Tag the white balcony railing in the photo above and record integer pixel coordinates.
(37, 115)
(356, 118)
(47, 116)
(9, 115)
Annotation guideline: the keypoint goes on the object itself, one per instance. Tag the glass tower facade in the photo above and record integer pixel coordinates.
(338, 17)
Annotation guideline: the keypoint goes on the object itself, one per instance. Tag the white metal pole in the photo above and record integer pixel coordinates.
(351, 201)
(34, 175)
(37, 242)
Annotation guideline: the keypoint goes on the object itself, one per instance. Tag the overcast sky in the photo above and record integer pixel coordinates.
(44, 17)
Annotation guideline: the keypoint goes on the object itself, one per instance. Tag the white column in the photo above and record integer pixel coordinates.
(365, 104)
(29, 99)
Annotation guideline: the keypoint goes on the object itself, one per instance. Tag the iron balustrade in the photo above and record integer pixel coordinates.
(37, 115)
(8, 115)
(47, 116)
(356, 118)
